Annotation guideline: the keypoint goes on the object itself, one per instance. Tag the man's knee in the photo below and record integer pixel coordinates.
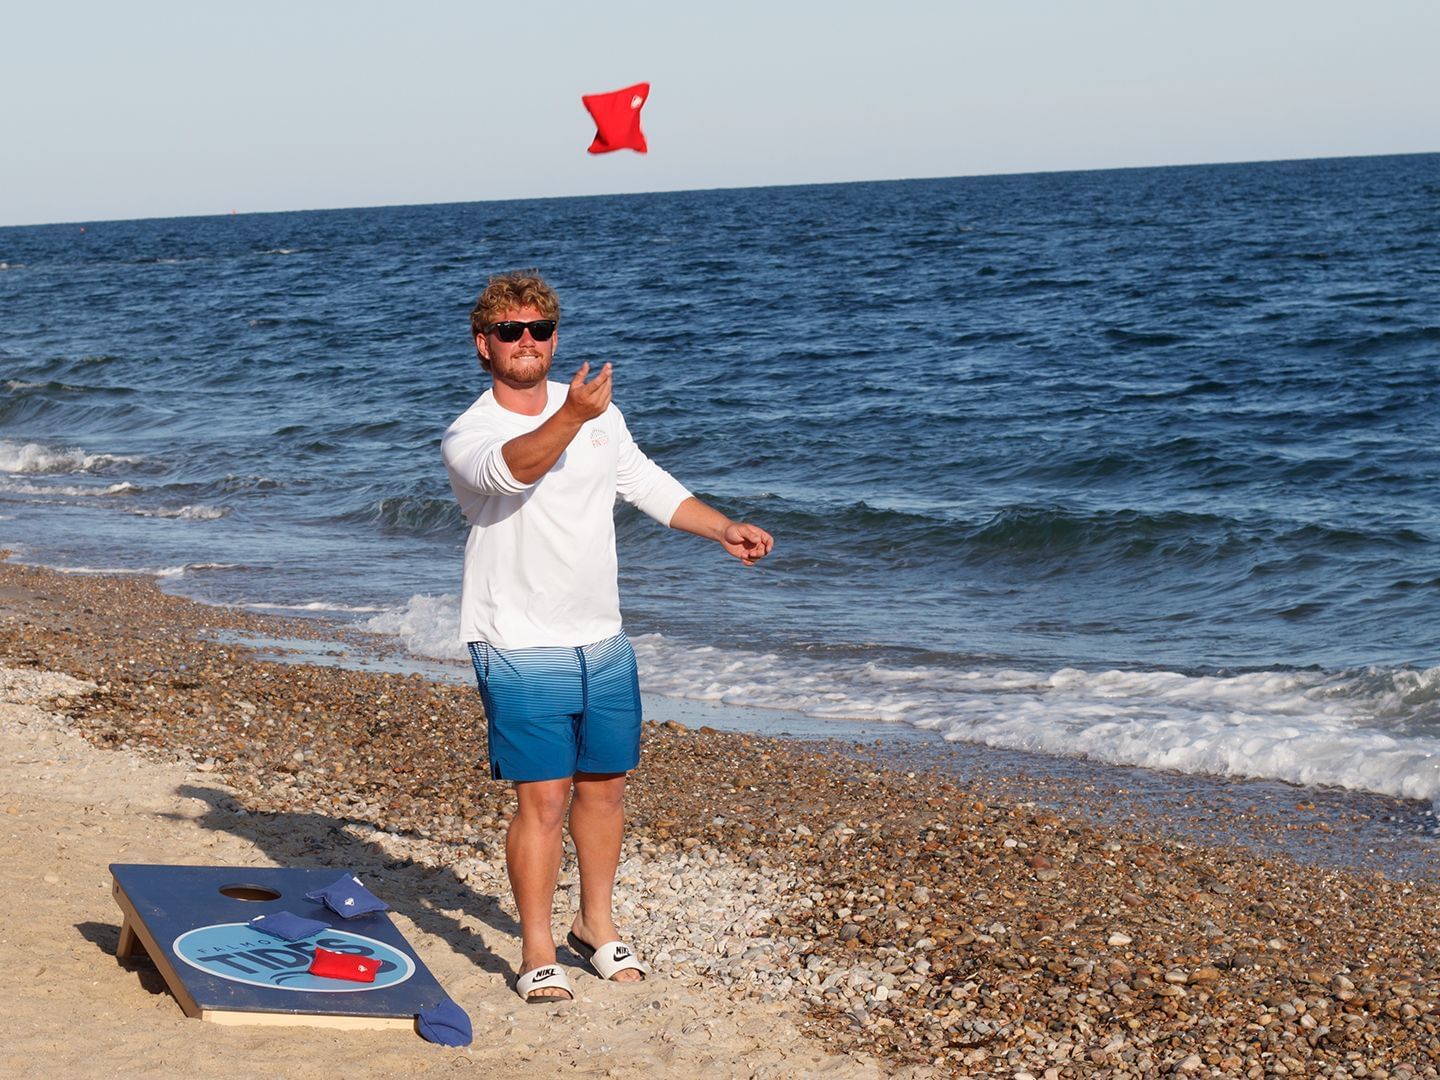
(595, 791)
(543, 802)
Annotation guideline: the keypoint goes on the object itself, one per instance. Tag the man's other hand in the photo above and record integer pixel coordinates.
(748, 543)
(586, 401)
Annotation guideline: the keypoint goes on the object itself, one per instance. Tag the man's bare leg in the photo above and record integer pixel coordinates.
(533, 846)
(597, 824)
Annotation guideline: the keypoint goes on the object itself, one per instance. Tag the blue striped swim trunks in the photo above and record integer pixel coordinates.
(552, 712)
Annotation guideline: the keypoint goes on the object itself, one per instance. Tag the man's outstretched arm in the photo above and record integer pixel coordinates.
(748, 543)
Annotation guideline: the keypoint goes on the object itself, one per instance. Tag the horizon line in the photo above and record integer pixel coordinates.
(741, 187)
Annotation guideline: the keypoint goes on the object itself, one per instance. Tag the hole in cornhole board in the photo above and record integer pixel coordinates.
(192, 923)
(249, 892)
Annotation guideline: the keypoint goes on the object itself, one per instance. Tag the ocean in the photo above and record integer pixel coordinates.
(1140, 465)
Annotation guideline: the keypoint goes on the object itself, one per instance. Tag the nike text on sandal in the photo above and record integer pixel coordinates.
(543, 978)
(609, 959)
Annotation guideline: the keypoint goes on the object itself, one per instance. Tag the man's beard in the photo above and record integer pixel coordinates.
(525, 369)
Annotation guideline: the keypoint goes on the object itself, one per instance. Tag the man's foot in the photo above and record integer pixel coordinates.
(543, 989)
(612, 959)
(544, 984)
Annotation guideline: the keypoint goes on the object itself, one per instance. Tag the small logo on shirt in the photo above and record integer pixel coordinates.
(598, 437)
(636, 101)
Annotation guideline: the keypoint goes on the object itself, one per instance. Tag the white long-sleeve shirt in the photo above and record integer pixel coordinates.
(540, 565)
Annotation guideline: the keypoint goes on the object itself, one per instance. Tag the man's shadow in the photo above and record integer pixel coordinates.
(419, 892)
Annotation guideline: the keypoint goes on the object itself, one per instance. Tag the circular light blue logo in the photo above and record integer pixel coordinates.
(236, 952)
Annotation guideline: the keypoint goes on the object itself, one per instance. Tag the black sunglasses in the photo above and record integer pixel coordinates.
(511, 331)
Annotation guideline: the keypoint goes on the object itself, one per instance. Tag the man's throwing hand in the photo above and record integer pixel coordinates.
(748, 543)
(586, 401)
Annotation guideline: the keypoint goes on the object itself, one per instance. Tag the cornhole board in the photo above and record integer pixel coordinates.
(191, 922)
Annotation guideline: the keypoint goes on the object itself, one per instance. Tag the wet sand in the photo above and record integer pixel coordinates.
(948, 919)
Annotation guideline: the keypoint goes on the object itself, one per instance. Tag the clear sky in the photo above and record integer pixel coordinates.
(152, 108)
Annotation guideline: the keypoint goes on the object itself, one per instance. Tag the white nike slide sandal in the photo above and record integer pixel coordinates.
(609, 959)
(543, 978)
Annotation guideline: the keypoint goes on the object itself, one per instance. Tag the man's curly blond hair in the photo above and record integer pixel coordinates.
(507, 292)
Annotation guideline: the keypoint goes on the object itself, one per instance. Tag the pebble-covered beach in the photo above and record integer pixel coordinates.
(944, 926)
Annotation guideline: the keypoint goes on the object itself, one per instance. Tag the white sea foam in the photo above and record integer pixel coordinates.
(193, 568)
(427, 625)
(186, 513)
(1372, 730)
(1375, 730)
(22, 487)
(18, 457)
(145, 571)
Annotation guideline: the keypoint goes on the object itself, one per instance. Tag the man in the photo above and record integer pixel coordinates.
(536, 466)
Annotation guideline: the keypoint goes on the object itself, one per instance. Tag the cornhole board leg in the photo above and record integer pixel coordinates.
(159, 902)
(129, 944)
(132, 931)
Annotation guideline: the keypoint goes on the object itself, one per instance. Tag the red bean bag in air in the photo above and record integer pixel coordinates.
(617, 119)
